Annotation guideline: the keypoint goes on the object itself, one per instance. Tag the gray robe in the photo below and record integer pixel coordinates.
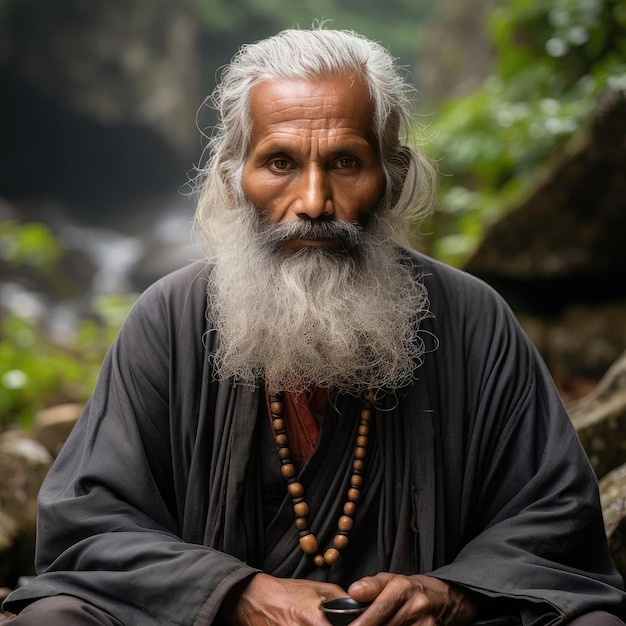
(153, 509)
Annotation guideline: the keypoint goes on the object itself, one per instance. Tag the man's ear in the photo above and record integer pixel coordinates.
(229, 191)
(401, 163)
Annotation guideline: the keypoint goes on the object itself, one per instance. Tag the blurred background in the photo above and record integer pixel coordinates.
(520, 103)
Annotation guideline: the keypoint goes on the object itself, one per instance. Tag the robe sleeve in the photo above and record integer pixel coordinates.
(109, 527)
(522, 513)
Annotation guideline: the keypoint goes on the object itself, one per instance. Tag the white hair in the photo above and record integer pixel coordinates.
(347, 320)
(309, 54)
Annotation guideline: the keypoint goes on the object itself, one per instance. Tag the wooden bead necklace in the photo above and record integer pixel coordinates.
(308, 541)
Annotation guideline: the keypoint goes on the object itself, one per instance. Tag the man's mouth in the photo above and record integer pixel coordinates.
(332, 236)
(293, 245)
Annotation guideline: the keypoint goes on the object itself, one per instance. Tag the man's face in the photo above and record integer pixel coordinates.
(312, 154)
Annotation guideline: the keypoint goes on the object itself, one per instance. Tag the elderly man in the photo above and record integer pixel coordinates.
(319, 411)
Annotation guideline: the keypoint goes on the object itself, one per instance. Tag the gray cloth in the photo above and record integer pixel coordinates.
(69, 611)
(63, 611)
(152, 510)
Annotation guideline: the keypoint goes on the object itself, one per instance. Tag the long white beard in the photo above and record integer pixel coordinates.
(345, 319)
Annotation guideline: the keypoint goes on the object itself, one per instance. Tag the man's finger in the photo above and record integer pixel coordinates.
(368, 588)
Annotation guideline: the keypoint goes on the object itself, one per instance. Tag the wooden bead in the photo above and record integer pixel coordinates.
(308, 543)
(349, 508)
(359, 452)
(288, 470)
(301, 509)
(295, 489)
(340, 541)
(331, 556)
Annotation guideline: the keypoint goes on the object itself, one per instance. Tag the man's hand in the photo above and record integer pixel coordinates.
(264, 600)
(399, 600)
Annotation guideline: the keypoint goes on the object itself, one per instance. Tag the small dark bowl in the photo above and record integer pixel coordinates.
(342, 611)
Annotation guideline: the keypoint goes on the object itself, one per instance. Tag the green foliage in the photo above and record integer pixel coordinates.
(31, 244)
(552, 61)
(393, 22)
(36, 371)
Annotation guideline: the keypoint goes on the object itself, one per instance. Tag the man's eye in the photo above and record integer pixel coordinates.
(280, 164)
(345, 163)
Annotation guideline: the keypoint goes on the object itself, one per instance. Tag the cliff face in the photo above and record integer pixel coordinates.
(98, 132)
(103, 97)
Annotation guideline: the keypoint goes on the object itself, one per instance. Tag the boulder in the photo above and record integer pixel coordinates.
(579, 344)
(23, 466)
(600, 420)
(53, 425)
(25, 458)
(566, 233)
(8, 536)
(613, 498)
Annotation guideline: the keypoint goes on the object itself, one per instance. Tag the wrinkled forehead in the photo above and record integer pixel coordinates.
(340, 100)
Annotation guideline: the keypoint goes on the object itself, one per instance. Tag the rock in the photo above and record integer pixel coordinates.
(53, 425)
(24, 461)
(8, 536)
(613, 498)
(566, 233)
(4, 616)
(456, 54)
(580, 344)
(600, 420)
(114, 62)
(114, 88)
(557, 254)
(21, 445)
(8, 531)
(23, 466)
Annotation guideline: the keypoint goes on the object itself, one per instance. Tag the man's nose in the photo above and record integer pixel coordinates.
(315, 197)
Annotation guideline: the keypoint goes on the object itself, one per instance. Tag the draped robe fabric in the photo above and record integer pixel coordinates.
(153, 510)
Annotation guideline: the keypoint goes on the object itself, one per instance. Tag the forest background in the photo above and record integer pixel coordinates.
(99, 132)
